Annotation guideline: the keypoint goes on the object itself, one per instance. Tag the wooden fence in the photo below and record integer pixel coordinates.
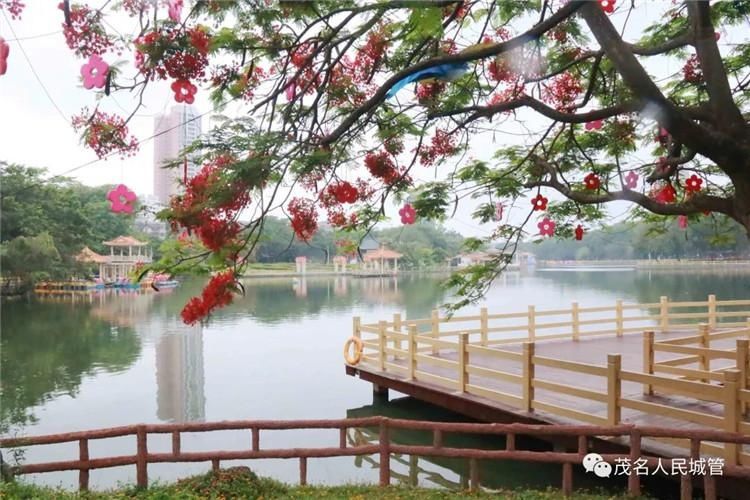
(384, 448)
(414, 355)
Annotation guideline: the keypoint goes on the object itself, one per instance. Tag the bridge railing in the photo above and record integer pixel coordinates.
(384, 447)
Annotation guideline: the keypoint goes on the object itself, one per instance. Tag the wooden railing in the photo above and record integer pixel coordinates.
(415, 355)
(384, 447)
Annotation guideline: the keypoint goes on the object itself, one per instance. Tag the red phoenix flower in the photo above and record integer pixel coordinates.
(607, 6)
(217, 293)
(594, 125)
(579, 232)
(592, 181)
(184, 91)
(693, 184)
(666, 194)
(304, 218)
(539, 202)
(631, 180)
(546, 227)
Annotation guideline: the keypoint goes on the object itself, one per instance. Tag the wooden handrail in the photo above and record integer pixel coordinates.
(384, 447)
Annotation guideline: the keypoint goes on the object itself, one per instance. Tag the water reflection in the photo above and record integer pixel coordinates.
(179, 376)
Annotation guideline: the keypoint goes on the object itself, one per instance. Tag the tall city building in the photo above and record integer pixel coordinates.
(174, 131)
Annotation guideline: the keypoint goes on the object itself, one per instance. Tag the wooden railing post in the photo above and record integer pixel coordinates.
(574, 316)
(357, 327)
(742, 366)
(83, 472)
(634, 480)
(528, 376)
(663, 313)
(712, 311)
(705, 341)
(618, 318)
(648, 360)
(381, 345)
(397, 329)
(435, 327)
(483, 325)
(141, 460)
(532, 324)
(302, 471)
(614, 364)
(732, 415)
(463, 360)
(473, 474)
(412, 351)
(385, 454)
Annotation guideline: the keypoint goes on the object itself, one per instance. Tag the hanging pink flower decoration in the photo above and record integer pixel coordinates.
(693, 184)
(631, 180)
(121, 199)
(184, 91)
(539, 202)
(4, 51)
(682, 221)
(408, 214)
(607, 6)
(546, 227)
(499, 208)
(94, 72)
(592, 181)
(291, 91)
(594, 125)
(175, 9)
(579, 232)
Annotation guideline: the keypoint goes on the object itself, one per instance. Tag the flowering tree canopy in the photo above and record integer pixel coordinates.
(323, 138)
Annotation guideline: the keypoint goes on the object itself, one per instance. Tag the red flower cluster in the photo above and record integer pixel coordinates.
(394, 145)
(592, 181)
(181, 54)
(499, 70)
(563, 90)
(85, 34)
(579, 232)
(344, 192)
(304, 218)
(14, 8)
(136, 7)
(381, 166)
(105, 133)
(217, 293)
(460, 10)
(693, 184)
(370, 55)
(664, 194)
(429, 91)
(510, 93)
(691, 71)
(442, 144)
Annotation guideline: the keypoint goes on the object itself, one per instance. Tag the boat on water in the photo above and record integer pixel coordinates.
(156, 283)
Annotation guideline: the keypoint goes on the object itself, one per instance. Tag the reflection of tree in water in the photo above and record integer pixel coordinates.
(274, 300)
(48, 348)
(647, 286)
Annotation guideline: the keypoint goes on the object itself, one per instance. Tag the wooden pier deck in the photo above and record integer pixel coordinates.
(677, 375)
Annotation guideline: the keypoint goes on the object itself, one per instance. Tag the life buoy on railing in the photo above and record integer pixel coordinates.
(353, 360)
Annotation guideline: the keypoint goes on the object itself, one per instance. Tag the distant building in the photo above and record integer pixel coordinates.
(174, 131)
(145, 219)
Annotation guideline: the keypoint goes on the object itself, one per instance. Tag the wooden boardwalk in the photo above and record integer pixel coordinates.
(692, 376)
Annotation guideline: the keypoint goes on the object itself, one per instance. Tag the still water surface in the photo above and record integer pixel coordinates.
(118, 358)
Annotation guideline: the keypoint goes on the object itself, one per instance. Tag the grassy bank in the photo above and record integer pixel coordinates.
(240, 482)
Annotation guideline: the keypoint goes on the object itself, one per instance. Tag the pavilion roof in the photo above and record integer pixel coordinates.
(382, 253)
(88, 255)
(125, 241)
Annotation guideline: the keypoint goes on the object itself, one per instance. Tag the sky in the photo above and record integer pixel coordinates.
(41, 91)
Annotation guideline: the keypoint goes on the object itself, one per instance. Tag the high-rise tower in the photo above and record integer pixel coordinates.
(174, 131)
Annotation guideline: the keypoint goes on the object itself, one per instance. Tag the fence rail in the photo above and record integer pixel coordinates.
(482, 368)
(384, 447)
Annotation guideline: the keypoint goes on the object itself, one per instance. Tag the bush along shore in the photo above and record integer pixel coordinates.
(241, 482)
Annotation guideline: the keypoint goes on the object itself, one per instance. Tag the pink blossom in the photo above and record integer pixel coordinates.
(546, 227)
(4, 50)
(631, 180)
(594, 125)
(291, 90)
(175, 9)
(682, 221)
(408, 214)
(121, 199)
(94, 72)
(499, 208)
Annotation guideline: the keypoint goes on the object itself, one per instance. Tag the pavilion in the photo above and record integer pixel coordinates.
(125, 253)
(382, 260)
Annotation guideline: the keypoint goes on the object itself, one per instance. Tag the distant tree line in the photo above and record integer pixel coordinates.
(706, 237)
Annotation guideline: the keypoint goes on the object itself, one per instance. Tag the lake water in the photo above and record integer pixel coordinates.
(117, 358)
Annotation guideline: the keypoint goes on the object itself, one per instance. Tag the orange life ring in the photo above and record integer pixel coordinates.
(353, 360)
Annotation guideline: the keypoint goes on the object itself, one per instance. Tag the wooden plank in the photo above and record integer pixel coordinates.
(554, 325)
(672, 412)
(684, 360)
(720, 303)
(396, 352)
(696, 390)
(572, 391)
(445, 363)
(568, 413)
(434, 342)
(686, 315)
(458, 319)
(396, 367)
(503, 397)
(570, 366)
(697, 351)
(679, 341)
(597, 309)
(596, 321)
(690, 373)
(436, 379)
(493, 352)
(507, 315)
(553, 312)
(490, 373)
